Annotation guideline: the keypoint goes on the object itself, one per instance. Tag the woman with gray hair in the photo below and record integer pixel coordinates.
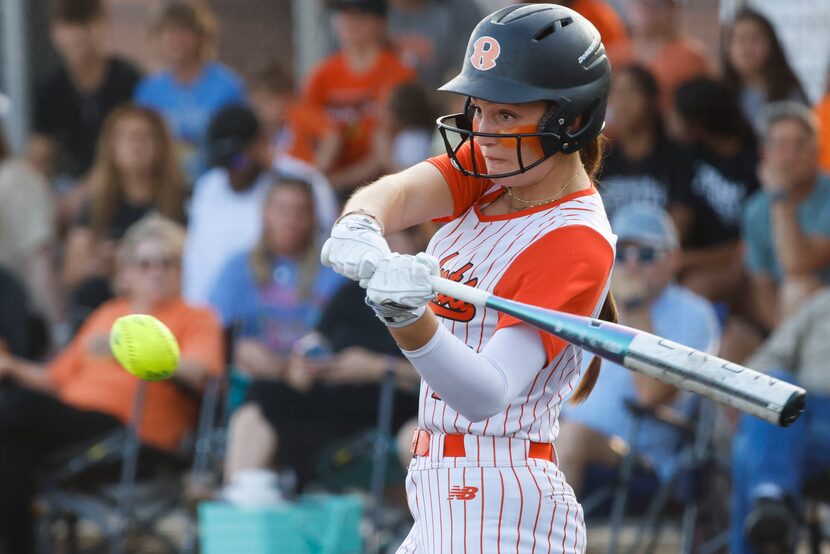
(84, 393)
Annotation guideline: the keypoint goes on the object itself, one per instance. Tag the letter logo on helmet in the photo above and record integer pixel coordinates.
(485, 52)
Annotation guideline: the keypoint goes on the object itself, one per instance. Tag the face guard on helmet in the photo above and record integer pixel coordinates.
(528, 53)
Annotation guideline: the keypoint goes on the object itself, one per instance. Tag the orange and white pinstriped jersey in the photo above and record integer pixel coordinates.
(557, 256)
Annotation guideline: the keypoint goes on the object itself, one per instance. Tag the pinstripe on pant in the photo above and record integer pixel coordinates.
(493, 500)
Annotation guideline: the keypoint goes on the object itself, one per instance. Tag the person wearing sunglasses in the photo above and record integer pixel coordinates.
(647, 260)
(84, 393)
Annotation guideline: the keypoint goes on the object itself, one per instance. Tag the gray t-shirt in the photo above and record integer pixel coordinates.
(26, 214)
(800, 346)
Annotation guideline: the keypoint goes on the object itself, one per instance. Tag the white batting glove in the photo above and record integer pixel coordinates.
(400, 288)
(355, 248)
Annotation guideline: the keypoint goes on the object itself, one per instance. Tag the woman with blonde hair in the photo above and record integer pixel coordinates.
(84, 393)
(135, 173)
(273, 293)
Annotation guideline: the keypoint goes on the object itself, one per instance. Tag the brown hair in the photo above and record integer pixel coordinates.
(262, 255)
(780, 81)
(76, 12)
(591, 156)
(272, 77)
(105, 178)
(194, 15)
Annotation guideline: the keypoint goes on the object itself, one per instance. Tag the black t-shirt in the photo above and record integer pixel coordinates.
(717, 193)
(125, 216)
(348, 321)
(14, 314)
(660, 178)
(73, 119)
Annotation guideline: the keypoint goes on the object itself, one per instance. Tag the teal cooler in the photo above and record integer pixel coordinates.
(316, 524)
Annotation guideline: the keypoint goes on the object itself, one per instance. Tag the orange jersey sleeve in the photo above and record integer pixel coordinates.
(465, 190)
(566, 270)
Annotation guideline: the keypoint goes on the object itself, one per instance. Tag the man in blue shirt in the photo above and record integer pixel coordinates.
(193, 87)
(786, 225)
(647, 298)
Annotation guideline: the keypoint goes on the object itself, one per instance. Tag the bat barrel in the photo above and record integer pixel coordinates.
(793, 408)
(763, 396)
(770, 399)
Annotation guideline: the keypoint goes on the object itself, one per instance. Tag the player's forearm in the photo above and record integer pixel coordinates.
(406, 198)
(384, 199)
(479, 385)
(415, 336)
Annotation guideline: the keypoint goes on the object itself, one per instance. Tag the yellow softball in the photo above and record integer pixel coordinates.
(144, 346)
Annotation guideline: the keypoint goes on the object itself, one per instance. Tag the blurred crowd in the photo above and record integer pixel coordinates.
(202, 194)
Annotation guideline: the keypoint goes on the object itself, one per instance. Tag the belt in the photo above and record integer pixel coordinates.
(454, 447)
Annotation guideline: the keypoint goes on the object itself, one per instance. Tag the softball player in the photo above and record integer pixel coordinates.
(525, 222)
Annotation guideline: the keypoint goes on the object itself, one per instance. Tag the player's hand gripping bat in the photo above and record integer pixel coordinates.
(731, 384)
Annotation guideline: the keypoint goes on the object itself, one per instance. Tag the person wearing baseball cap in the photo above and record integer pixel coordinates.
(648, 299)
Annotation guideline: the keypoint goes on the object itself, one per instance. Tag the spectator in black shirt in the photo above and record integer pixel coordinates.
(642, 165)
(14, 316)
(135, 172)
(73, 100)
(724, 163)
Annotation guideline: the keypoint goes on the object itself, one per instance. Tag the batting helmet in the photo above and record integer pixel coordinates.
(527, 53)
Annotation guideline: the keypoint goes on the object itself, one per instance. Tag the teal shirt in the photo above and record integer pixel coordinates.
(813, 215)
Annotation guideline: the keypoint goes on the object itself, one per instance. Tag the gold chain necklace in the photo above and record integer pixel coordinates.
(535, 203)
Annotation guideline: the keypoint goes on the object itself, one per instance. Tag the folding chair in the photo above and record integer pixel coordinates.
(816, 500)
(691, 485)
(134, 503)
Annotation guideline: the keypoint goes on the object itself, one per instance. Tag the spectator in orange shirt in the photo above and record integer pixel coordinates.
(85, 393)
(351, 83)
(603, 16)
(296, 129)
(657, 43)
